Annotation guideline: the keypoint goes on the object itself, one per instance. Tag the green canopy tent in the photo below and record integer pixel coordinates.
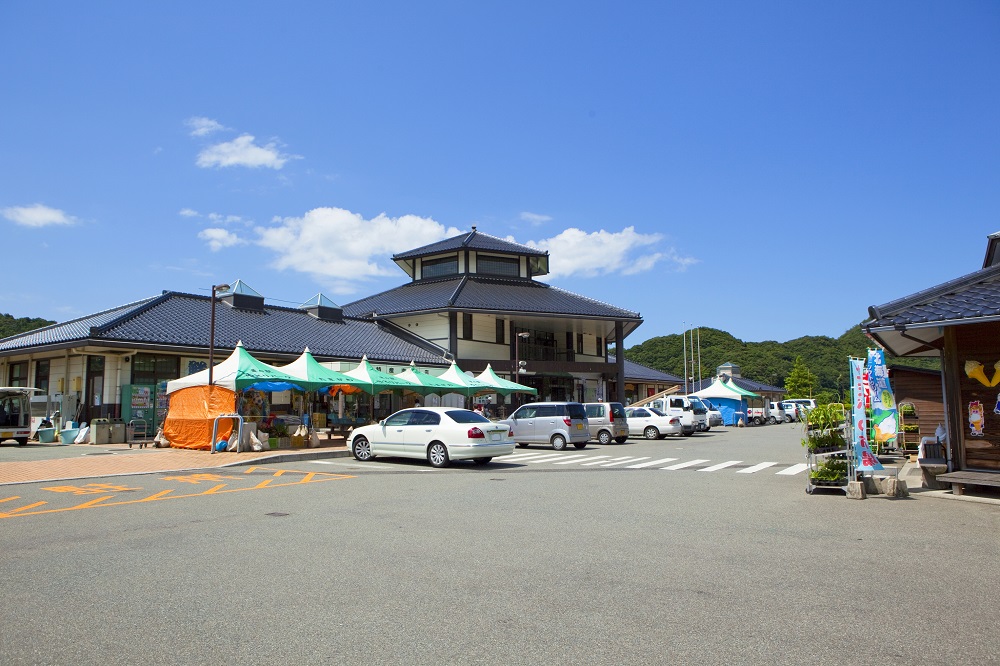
(424, 383)
(375, 381)
(239, 372)
(311, 375)
(503, 386)
(467, 386)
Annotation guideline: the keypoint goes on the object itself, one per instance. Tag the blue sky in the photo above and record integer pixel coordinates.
(766, 168)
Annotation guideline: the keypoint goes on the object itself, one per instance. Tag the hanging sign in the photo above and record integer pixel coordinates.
(883, 405)
(976, 418)
(865, 459)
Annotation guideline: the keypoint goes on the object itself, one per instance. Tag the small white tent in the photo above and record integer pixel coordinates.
(729, 398)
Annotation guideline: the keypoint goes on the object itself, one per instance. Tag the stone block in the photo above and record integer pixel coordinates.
(873, 485)
(929, 474)
(895, 487)
(856, 490)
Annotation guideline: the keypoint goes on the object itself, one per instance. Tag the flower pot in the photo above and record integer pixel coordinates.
(272, 442)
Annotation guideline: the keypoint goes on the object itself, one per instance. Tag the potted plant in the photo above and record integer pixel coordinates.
(833, 472)
(265, 429)
(825, 429)
(279, 431)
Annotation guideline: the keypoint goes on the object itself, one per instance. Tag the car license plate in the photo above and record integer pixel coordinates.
(579, 426)
(6, 434)
(494, 437)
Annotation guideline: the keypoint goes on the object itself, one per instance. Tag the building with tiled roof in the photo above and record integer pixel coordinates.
(472, 298)
(958, 321)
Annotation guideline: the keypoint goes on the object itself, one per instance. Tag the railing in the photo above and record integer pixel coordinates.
(215, 429)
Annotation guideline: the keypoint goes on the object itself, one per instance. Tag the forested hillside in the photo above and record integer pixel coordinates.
(10, 326)
(768, 362)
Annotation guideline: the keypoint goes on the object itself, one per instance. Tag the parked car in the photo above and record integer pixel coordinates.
(793, 411)
(437, 434)
(607, 421)
(651, 423)
(681, 407)
(808, 404)
(554, 423)
(714, 415)
(777, 414)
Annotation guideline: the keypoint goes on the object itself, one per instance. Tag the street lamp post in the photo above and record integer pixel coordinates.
(211, 330)
(523, 335)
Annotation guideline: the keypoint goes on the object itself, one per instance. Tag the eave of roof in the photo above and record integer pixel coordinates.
(474, 240)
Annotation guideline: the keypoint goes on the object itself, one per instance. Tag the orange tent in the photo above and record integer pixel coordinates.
(192, 415)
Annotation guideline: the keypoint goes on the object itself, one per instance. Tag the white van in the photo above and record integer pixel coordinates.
(15, 413)
(682, 407)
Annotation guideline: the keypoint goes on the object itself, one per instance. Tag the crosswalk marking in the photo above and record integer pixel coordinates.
(598, 462)
(556, 457)
(525, 456)
(622, 462)
(652, 463)
(756, 468)
(794, 469)
(689, 463)
(715, 468)
(570, 462)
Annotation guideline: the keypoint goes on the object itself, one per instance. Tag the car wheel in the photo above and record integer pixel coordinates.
(522, 445)
(580, 445)
(22, 441)
(437, 454)
(788, 419)
(651, 433)
(758, 420)
(621, 440)
(771, 420)
(604, 437)
(558, 442)
(688, 433)
(362, 449)
(707, 428)
(482, 461)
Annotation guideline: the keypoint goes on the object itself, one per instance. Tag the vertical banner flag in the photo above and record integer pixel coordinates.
(884, 417)
(865, 460)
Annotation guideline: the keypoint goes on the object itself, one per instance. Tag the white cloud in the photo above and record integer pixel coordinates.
(577, 252)
(220, 238)
(338, 244)
(535, 218)
(201, 126)
(37, 215)
(188, 212)
(242, 151)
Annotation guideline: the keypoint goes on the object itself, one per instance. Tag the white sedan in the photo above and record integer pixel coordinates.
(437, 434)
(652, 423)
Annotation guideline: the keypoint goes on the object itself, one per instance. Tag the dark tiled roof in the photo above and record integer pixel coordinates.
(176, 319)
(639, 372)
(474, 240)
(475, 293)
(972, 297)
(77, 329)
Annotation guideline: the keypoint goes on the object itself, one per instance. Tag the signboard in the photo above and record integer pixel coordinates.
(865, 459)
(884, 417)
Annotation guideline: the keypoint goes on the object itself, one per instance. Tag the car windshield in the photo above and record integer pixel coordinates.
(466, 416)
(695, 402)
(708, 405)
(576, 411)
(617, 410)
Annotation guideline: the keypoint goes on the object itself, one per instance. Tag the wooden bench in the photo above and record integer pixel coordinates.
(959, 480)
(932, 464)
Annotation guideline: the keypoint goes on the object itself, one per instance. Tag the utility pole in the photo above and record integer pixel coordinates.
(699, 356)
(685, 348)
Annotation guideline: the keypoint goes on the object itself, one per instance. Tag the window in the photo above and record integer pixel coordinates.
(42, 375)
(399, 419)
(601, 351)
(501, 332)
(506, 266)
(546, 411)
(467, 325)
(595, 411)
(437, 267)
(150, 369)
(19, 374)
(579, 343)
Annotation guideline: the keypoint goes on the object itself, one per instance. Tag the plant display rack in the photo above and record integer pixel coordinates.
(828, 449)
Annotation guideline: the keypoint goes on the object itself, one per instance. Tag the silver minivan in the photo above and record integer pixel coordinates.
(607, 421)
(554, 423)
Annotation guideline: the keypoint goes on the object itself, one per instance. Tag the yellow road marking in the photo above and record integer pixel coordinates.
(307, 477)
(93, 502)
(12, 512)
(7, 499)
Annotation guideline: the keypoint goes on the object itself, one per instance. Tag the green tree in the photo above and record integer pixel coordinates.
(800, 382)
